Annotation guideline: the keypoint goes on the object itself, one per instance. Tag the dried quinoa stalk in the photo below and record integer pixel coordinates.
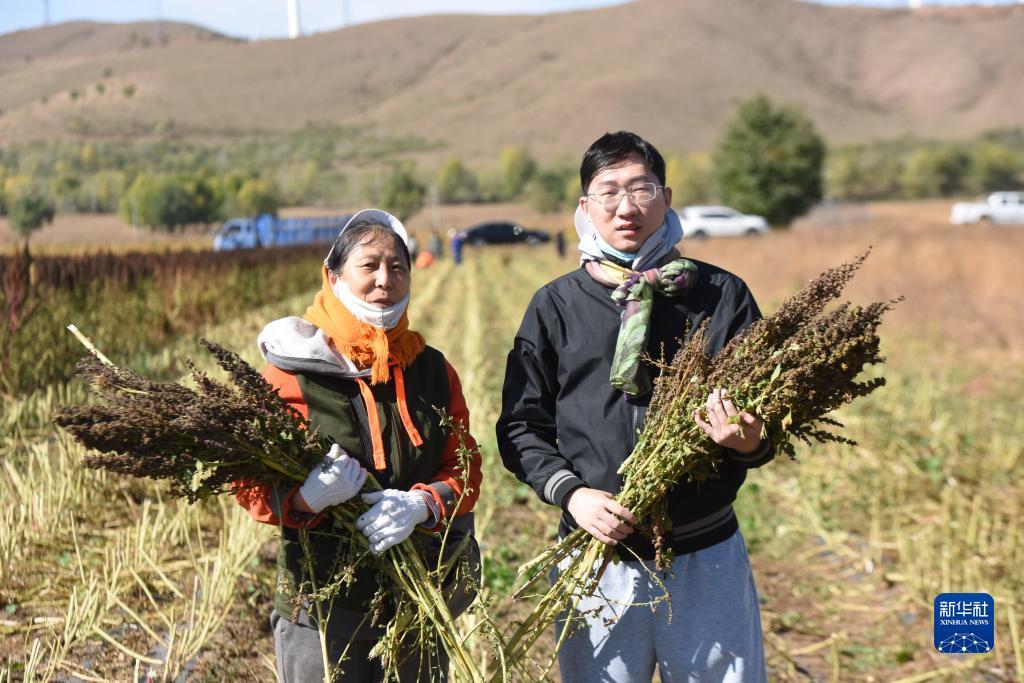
(203, 440)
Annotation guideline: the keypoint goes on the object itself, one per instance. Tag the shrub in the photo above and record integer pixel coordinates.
(992, 167)
(769, 161)
(456, 183)
(28, 212)
(862, 172)
(256, 196)
(935, 172)
(170, 202)
(400, 191)
(546, 191)
(691, 178)
(515, 168)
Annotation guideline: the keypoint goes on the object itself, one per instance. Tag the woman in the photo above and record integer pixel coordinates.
(353, 367)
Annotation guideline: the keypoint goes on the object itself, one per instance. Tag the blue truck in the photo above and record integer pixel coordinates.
(267, 230)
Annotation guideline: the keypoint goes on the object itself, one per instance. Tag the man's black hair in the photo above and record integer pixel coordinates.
(360, 234)
(615, 149)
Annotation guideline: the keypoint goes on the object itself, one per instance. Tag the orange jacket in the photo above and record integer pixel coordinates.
(256, 498)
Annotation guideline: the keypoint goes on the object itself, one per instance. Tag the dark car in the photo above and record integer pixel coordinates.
(503, 232)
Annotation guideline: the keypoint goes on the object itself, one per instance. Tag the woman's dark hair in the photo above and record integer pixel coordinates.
(360, 234)
(615, 149)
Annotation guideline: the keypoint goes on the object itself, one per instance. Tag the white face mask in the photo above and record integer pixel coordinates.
(385, 318)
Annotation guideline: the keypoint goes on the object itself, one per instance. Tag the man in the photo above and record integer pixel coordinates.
(576, 392)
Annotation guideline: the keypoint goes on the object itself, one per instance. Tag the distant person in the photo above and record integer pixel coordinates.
(414, 247)
(457, 239)
(424, 260)
(435, 246)
(560, 243)
(577, 389)
(352, 366)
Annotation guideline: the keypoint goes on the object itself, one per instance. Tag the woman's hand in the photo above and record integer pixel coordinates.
(727, 426)
(597, 513)
(332, 483)
(393, 517)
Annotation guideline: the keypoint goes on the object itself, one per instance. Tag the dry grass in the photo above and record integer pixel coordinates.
(955, 278)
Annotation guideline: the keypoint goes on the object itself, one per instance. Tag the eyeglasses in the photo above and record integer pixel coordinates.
(611, 197)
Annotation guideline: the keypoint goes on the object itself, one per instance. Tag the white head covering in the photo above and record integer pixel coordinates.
(377, 216)
(367, 313)
(651, 252)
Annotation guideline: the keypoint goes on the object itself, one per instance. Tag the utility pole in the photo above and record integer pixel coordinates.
(46, 12)
(346, 10)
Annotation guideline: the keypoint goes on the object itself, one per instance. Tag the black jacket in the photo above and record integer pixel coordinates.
(563, 425)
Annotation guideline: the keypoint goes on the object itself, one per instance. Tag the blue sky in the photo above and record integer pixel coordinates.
(268, 18)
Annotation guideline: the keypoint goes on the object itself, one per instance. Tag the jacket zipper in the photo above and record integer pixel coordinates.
(360, 420)
(633, 436)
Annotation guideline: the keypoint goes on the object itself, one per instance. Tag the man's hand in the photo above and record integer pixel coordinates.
(727, 426)
(597, 513)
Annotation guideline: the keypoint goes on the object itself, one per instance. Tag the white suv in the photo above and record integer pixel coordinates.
(999, 207)
(719, 221)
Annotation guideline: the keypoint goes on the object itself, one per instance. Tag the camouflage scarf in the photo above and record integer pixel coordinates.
(634, 293)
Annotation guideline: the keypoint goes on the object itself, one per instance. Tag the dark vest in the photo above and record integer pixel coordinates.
(338, 410)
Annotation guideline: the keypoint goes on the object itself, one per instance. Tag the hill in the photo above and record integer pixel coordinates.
(671, 69)
(75, 39)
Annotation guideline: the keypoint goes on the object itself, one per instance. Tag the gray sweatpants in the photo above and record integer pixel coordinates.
(300, 660)
(714, 634)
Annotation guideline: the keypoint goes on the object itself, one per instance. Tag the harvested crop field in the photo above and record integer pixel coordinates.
(849, 544)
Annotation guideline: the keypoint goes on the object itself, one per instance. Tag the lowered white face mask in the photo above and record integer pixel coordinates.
(385, 318)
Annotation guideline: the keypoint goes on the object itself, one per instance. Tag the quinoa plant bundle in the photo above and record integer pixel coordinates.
(204, 440)
(791, 369)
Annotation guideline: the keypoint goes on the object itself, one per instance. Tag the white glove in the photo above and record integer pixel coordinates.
(392, 518)
(334, 482)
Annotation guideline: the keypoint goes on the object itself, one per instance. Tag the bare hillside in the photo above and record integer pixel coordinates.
(89, 39)
(673, 69)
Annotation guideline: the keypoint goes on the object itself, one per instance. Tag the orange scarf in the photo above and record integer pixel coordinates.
(365, 345)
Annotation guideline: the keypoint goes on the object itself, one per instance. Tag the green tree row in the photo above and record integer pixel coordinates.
(906, 168)
(769, 160)
(920, 170)
(173, 201)
(308, 166)
(403, 188)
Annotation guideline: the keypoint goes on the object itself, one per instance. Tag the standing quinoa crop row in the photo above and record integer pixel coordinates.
(136, 302)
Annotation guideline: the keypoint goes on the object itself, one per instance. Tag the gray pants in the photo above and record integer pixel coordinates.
(714, 634)
(299, 659)
(297, 645)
